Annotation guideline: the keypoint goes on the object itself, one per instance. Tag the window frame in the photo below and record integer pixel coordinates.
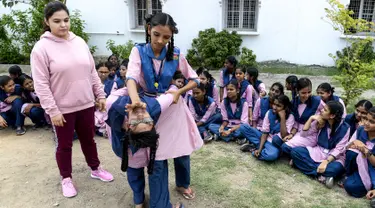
(149, 10)
(241, 11)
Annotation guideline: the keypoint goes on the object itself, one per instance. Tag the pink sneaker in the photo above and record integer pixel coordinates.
(68, 188)
(102, 175)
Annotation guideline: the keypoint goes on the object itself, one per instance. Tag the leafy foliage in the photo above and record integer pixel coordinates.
(25, 28)
(121, 51)
(248, 58)
(356, 62)
(211, 48)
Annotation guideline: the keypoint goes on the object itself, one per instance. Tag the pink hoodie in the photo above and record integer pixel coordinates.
(64, 74)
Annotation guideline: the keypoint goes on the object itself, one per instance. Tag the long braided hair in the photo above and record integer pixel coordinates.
(163, 19)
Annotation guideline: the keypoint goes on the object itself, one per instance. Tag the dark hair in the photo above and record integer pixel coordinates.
(50, 9)
(364, 103)
(15, 70)
(242, 68)
(178, 75)
(206, 73)
(109, 58)
(4, 80)
(337, 109)
(107, 64)
(162, 19)
(303, 83)
(202, 87)
(326, 87)
(125, 63)
(23, 78)
(232, 60)
(284, 100)
(292, 80)
(236, 86)
(280, 86)
(253, 72)
(372, 111)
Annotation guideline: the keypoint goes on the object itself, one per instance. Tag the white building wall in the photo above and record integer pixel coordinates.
(290, 30)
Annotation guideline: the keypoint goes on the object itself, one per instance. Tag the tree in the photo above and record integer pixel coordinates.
(355, 62)
(23, 29)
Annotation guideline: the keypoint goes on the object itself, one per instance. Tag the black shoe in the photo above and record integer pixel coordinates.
(241, 141)
(372, 203)
(208, 138)
(21, 131)
(248, 147)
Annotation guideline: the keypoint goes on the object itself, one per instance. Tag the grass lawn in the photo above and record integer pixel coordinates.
(223, 176)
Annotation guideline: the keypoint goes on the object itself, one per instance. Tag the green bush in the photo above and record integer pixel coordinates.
(356, 63)
(211, 48)
(248, 58)
(26, 27)
(121, 51)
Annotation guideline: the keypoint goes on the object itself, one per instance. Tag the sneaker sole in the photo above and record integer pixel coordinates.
(96, 177)
(70, 196)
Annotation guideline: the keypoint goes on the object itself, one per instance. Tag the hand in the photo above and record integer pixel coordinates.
(257, 153)
(58, 120)
(322, 167)
(364, 151)
(11, 98)
(3, 122)
(28, 108)
(137, 104)
(289, 137)
(176, 95)
(200, 123)
(226, 133)
(357, 144)
(370, 194)
(221, 129)
(282, 113)
(101, 104)
(262, 94)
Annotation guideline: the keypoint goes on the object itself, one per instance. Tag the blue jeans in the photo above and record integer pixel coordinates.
(214, 128)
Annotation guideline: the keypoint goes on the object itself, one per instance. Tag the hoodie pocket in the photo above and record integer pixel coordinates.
(77, 93)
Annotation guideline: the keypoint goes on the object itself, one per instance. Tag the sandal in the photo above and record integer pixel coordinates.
(188, 194)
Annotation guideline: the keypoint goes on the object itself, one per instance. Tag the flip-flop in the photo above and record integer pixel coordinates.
(188, 194)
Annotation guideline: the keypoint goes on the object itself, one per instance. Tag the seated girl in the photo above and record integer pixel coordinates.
(278, 122)
(360, 159)
(11, 94)
(103, 72)
(355, 119)
(100, 117)
(304, 106)
(235, 112)
(211, 89)
(120, 81)
(326, 159)
(325, 91)
(179, 81)
(258, 85)
(204, 110)
(262, 105)
(246, 89)
(227, 74)
(32, 107)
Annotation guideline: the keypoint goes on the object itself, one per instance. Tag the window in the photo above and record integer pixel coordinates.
(143, 7)
(241, 14)
(363, 9)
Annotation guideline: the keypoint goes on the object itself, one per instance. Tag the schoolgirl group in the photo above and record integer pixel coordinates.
(143, 103)
(314, 131)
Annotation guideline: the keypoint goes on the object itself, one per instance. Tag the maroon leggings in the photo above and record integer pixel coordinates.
(83, 122)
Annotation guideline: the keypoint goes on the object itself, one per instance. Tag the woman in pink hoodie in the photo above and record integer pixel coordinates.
(67, 85)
